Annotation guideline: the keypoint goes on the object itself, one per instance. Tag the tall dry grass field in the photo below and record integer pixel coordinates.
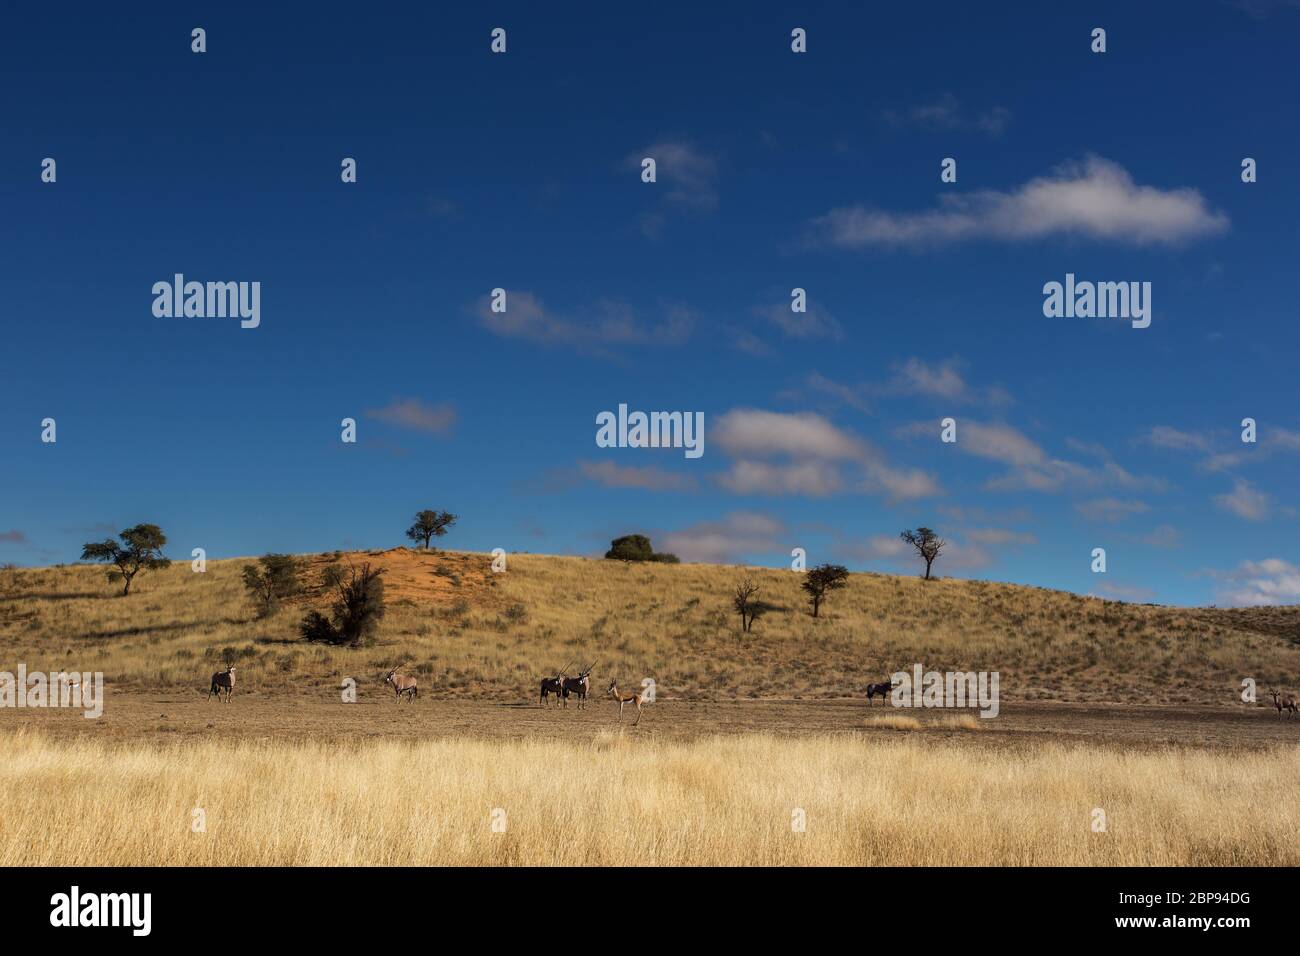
(628, 801)
(465, 632)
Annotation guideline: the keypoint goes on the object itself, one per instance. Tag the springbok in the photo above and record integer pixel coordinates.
(579, 685)
(402, 685)
(883, 689)
(637, 697)
(554, 685)
(1283, 702)
(223, 680)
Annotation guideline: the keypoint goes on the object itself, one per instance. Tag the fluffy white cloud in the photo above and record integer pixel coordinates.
(1096, 198)
(811, 456)
(756, 433)
(1256, 583)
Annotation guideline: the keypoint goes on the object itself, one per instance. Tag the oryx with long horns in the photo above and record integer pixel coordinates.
(403, 686)
(554, 685)
(580, 686)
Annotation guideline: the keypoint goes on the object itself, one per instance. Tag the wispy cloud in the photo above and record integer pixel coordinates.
(685, 181)
(13, 536)
(944, 381)
(816, 323)
(605, 325)
(737, 535)
(1096, 198)
(1245, 501)
(946, 114)
(649, 478)
(413, 414)
(1032, 468)
(1125, 592)
(1110, 510)
(1161, 536)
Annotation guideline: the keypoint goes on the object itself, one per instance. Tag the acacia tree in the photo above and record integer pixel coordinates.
(927, 544)
(357, 609)
(271, 580)
(140, 549)
(821, 580)
(430, 524)
(743, 601)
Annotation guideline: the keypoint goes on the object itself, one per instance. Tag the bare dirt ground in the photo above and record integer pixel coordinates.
(170, 716)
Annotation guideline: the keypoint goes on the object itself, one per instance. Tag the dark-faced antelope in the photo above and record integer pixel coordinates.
(223, 680)
(553, 685)
(403, 686)
(883, 689)
(637, 698)
(579, 686)
(1283, 702)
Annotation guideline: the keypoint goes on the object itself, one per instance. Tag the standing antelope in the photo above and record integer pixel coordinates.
(402, 686)
(579, 685)
(637, 697)
(554, 685)
(883, 689)
(1283, 702)
(223, 680)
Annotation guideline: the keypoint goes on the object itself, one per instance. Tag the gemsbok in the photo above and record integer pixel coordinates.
(554, 685)
(580, 686)
(883, 689)
(637, 698)
(1283, 702)
(403, 686)
(223, 680)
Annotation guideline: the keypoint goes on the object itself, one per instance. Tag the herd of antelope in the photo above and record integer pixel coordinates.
(561, 686)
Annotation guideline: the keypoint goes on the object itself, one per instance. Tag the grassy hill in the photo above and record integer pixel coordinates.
(467, 632)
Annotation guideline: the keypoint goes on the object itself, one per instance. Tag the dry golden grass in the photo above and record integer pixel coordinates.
(907, 722)
(716, 801)
(465, 632)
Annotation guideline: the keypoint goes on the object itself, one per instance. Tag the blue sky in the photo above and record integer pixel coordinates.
(776, 170)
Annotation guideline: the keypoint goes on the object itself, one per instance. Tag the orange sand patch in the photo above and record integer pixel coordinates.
(420, 577)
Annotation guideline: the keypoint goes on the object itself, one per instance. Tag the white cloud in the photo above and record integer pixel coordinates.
(815, 323)
(1163, 436)
(1256, 583)
(1096, 198)
(1245, 501)
(415, 415)
(607, 324)
(813, 451)
(753, 432)
(688, 172)
(612, 475)
(1001, 443)
(945, 114)
(738, 534)
(1161, 536)
(1126, 592)
(846, 394)
(1110, 510)
(901, 484)
(815, 479)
